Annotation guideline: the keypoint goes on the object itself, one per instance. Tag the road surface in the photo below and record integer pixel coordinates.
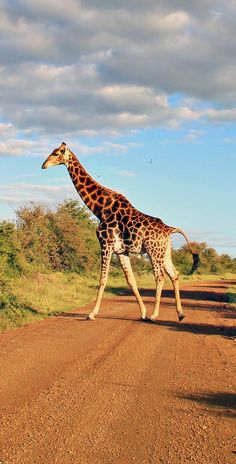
(121, 391)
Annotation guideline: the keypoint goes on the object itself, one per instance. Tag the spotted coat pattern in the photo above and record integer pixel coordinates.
(122, 230)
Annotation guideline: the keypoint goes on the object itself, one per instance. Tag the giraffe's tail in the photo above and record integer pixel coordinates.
(196, 260)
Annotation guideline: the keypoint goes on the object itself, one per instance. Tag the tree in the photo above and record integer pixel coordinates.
(9, 249)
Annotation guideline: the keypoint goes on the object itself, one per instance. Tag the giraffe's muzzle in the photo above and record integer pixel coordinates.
(48, 162)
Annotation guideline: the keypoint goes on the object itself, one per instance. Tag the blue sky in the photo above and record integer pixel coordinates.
(142, 91)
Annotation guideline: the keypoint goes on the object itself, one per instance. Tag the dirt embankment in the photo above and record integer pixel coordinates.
(122, 391)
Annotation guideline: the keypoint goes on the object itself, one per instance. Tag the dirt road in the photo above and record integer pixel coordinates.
(122, 391)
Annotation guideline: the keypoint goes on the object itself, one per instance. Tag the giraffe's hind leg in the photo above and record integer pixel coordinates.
(159, 286)
(128, 271)
(158, 270)
(173, 274)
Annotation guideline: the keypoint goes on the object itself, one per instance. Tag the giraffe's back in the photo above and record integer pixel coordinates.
(130, 229)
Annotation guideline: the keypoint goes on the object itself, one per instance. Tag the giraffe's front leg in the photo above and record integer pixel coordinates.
(126, 266)
(105, 264)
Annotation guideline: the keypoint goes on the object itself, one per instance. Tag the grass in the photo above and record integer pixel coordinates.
(13, 317)
(40, 295)
(46, 293)
(14, 312)
(231, 295)
(34, 297)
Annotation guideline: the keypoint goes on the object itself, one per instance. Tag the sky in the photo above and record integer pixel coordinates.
(142, 91)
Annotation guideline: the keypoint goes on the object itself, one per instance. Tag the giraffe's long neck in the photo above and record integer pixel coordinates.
(91, 192)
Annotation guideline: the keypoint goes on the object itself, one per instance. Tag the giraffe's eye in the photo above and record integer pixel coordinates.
(62, 152)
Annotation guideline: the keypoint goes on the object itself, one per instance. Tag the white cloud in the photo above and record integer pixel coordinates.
(193, 135)
(20, 193)
(21, 39)
(229, 139)
(93, 66)
(125, 173)
(159, 22)
(41, 188)
(215, 239)
(55, 9)
(220, 115)
(15, 147)
(15, 143)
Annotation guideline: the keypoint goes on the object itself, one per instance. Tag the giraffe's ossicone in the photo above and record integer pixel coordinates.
(123, 230)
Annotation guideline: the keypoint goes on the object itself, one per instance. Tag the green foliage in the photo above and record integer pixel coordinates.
(61, 240)
(40, 242)
(10, 260)
(12, 311)
(140, 265)
(210, 261)
(231, 296)
(64, 240)
(34, 236)
(75, 230)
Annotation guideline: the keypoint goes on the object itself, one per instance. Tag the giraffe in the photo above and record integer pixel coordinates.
(123, 230)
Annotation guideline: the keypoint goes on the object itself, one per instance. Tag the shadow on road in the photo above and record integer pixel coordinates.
(219, 403)
(192, 299)
(196, 295)
(198, 299)
(225, 310)
(202, 329)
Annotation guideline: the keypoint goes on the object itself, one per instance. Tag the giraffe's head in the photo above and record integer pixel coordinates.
(58, 156)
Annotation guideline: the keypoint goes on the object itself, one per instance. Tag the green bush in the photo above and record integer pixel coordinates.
(61, 240)
(10, 256)
(64, 240)
(210, 261)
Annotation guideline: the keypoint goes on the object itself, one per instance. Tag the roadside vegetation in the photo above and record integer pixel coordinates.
(231, 296)
(50, 260)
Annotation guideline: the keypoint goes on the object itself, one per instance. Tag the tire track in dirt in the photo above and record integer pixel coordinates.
(121, 391)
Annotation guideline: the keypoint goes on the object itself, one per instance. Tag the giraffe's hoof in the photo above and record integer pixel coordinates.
(90, 317)
(181, 317)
